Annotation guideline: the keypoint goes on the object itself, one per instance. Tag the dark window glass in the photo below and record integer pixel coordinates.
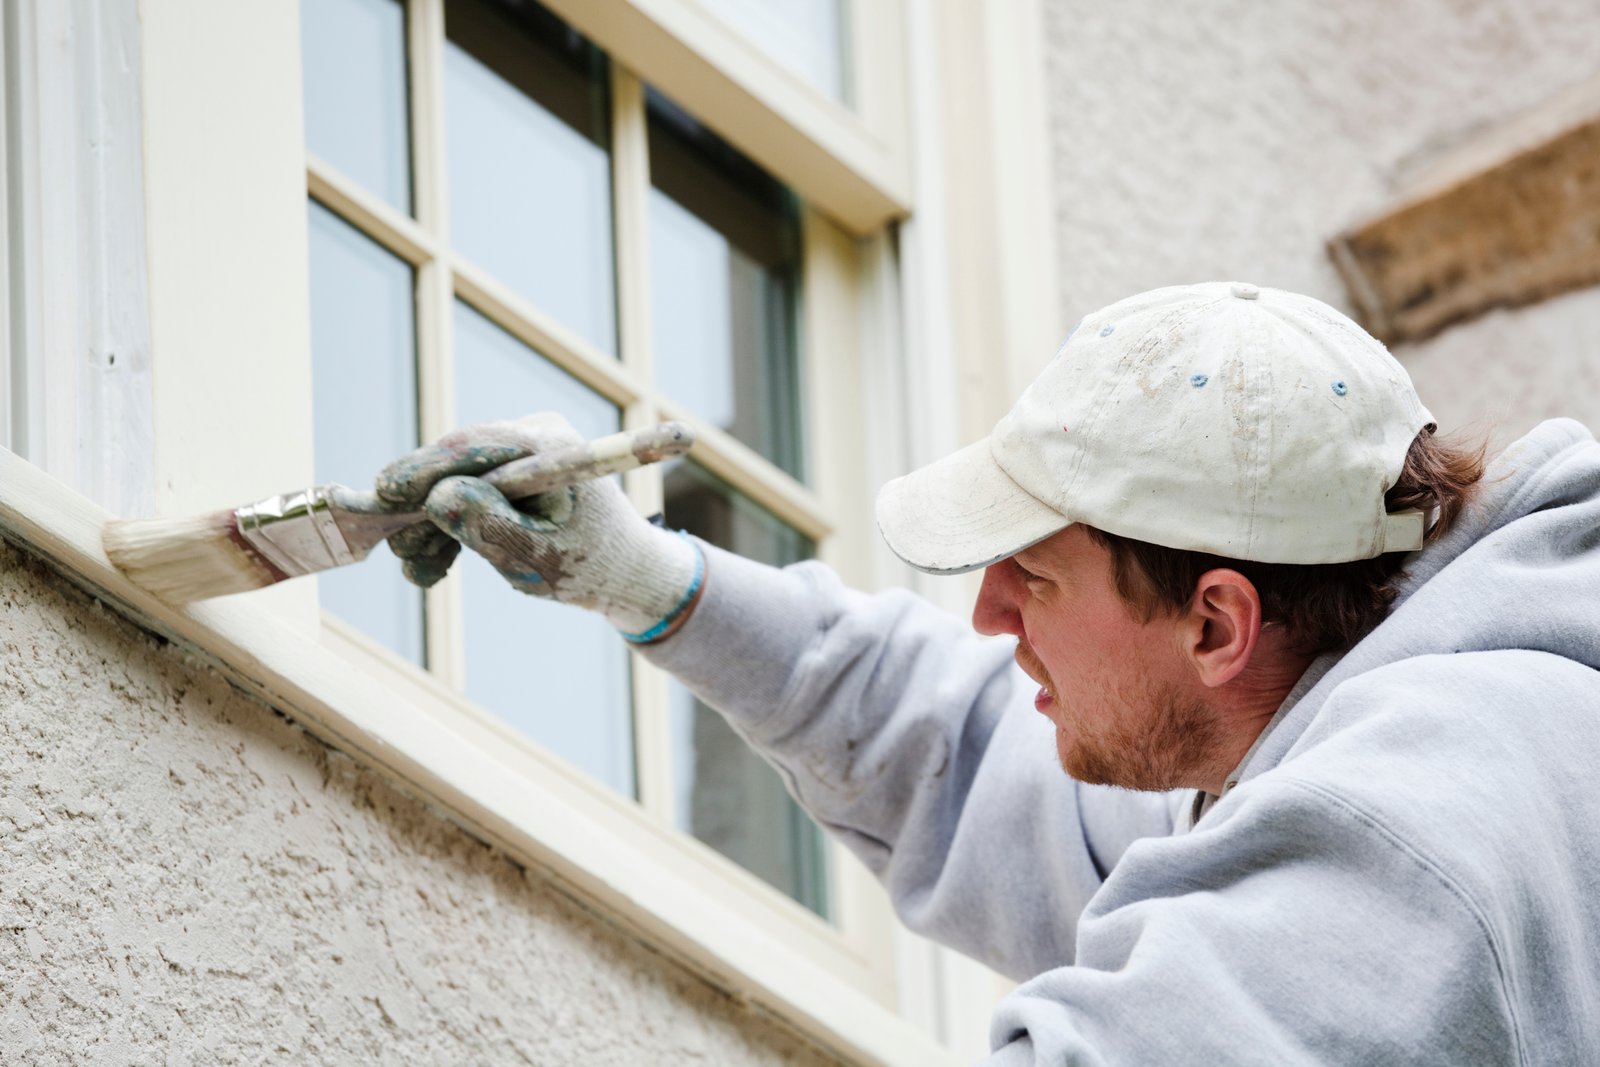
(724, 277)
(527, 120)
(354, 70)
(727, 796)
(364, 387)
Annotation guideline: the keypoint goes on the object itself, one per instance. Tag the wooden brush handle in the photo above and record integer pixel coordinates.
(618, 452)
(364, 520)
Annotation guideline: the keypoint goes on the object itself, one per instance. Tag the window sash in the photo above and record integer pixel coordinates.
(856, 942)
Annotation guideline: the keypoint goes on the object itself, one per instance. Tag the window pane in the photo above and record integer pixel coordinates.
(527, 115)
(806, 36)
(724, 270)
(364, 382)
(727, 796)
(557, 673)
(355, 84)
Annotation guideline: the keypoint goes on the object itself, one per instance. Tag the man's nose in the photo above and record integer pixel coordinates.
(996, 609)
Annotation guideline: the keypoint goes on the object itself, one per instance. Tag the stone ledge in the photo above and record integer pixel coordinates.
(1509, 218)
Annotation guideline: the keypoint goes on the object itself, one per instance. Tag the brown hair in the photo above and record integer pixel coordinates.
(1323, 607)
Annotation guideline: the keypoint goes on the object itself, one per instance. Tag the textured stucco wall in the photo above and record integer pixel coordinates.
(1502, 373)
(1232, 139)
(187, 877)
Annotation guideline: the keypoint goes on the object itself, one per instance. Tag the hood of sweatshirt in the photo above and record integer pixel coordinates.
(1519, 570)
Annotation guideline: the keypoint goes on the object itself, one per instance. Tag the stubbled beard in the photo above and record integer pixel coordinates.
(1177, 740)
(1174, 740)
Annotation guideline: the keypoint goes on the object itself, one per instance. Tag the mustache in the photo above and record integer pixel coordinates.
(1030, 662)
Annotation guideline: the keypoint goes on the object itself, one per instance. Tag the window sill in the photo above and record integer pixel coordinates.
(539, 812)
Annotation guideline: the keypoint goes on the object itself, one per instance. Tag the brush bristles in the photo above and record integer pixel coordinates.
(180, 560)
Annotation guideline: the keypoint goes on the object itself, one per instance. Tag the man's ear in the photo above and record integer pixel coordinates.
(1220, 628)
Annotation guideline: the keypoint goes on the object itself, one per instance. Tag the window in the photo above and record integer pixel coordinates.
(563, 239)
(226, 171)
(229, 99)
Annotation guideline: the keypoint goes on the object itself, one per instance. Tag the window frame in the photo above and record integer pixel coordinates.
(444, 277)
(854, 944)
(227, 181)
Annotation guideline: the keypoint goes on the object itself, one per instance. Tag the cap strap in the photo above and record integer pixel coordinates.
(1402, 530)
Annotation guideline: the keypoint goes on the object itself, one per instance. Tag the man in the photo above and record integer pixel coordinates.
(1349, 690)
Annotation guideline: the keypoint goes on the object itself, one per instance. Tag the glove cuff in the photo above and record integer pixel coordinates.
(651, 633)
(647, 577)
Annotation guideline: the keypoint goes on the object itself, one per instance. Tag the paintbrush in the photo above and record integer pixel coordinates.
(316, 529)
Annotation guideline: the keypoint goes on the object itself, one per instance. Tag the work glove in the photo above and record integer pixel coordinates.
(582, 545)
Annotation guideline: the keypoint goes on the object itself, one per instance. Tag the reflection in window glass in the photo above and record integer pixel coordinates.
(364, 382)
(526, 121)
(724, 274)
(557, 673)
(727, 796)
(354, 56)
(807, 36)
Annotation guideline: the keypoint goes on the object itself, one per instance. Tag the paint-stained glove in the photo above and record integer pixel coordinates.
(584, 545)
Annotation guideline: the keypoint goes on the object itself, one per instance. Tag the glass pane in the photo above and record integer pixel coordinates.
(724, 274)
(364, 384)
(526, 121)
(354, 55)
(806, 36)
(557, 673)
(727, 796)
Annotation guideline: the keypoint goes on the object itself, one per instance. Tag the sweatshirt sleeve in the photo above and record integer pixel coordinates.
(913, 741)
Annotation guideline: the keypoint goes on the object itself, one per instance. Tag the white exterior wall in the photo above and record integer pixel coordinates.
(190, 878)
(1232, 139)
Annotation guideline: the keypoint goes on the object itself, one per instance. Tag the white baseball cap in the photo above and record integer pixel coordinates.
(1250, 423)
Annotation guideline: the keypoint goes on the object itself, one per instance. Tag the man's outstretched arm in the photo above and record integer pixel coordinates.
(891, 722)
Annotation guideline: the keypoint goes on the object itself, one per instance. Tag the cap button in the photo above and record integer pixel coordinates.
(1245, 291)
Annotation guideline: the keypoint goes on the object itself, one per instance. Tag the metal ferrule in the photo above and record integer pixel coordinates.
(296, 532)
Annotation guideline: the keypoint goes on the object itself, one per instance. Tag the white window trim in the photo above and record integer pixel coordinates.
(225, 219)
(979, 299)
(76, 368)
(850, 162)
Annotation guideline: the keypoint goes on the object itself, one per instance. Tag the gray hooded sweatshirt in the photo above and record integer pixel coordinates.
(1407, 871)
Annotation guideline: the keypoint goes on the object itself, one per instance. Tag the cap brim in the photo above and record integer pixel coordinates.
(962, 513)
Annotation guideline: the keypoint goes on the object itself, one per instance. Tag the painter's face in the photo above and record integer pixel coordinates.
(1113, 685)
